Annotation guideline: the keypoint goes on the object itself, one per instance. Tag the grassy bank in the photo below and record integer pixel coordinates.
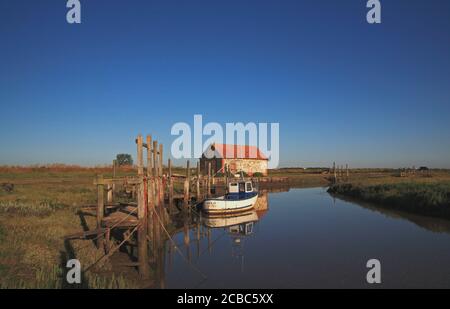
(35, 215)
(419, 197)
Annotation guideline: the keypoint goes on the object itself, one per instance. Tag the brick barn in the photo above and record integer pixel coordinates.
(248, 159)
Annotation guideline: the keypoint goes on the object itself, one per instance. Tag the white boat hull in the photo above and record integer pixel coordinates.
(224, 206)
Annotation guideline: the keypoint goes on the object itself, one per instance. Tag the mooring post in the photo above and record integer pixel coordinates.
(150, 185)
(347, 171)
(170, 183)
(199, 197)
(225, 175)
(140, 158)
(161, 174)
(142, 230)
(109, 195)
(209, 180)
(155, 172)
(100, 206)
(227, 171)
(114, 176)
(186, 184)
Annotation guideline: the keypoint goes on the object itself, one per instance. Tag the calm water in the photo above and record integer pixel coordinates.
(305, 239)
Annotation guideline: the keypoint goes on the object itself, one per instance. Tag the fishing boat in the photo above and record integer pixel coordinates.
(241, 196)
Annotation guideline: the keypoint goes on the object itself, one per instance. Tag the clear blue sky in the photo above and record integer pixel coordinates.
(341, 89)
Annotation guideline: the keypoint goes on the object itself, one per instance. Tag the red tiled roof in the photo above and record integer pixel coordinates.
(227, 151)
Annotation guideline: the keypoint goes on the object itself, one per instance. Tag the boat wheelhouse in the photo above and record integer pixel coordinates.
(241, 196)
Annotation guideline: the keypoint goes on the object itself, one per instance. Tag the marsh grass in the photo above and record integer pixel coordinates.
(35, 217)
(41, 208)
(425, 198)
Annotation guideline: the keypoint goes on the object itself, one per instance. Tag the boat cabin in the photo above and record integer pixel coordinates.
(240, 190)
(240, 187)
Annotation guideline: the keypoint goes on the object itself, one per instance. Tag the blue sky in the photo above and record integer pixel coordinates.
(341, 89)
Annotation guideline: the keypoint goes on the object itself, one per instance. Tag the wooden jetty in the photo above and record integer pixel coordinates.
(144, 219)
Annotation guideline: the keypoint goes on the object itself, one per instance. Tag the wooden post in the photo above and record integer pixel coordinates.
(155, 158)
(100, 206)
(150, 181)
(161, 187)
(109, 195)
(170, 183)
(227, 170)
(198, 184)
(187, 184)
(114, 176)
(188, 170)
(209, 180)
(347, 171)
(142, 231)
(140, 159)
(161, 160)
(149, 155)
(150, 186)
(155, 172)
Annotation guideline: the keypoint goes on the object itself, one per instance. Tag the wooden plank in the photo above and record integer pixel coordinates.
(85, 234)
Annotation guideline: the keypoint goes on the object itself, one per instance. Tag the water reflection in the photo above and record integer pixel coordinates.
(304, 240)
(183, 234)
(431, 224)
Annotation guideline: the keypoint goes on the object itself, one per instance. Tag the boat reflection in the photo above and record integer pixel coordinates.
(190, 236)
(231, 221)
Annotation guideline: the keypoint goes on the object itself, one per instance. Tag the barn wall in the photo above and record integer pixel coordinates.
(247, 165)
